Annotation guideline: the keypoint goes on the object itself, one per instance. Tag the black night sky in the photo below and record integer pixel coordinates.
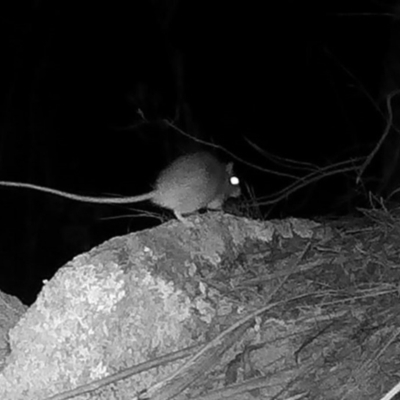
(86, 89)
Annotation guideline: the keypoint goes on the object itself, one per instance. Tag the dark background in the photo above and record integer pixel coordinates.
(86, 88)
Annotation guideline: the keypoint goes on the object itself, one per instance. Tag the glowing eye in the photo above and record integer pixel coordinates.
(234, 180)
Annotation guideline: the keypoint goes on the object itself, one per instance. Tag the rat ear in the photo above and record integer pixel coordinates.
(229, 168)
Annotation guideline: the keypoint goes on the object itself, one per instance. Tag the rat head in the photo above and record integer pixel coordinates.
(234, 187)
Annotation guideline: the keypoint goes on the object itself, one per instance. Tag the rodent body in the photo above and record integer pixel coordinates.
(191, 182)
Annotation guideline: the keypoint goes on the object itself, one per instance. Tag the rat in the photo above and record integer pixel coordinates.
(188, 184)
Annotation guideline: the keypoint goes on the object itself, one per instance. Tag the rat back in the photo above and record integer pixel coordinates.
(193, 182)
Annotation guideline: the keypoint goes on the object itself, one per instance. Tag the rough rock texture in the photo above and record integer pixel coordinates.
(11, 310)
(144, 295)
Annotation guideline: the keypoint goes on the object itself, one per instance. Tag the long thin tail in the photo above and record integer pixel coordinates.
(77, 197)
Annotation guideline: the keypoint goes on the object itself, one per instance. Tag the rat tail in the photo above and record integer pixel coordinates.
(77, 197)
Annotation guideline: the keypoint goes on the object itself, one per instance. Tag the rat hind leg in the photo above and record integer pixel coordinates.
(181, 218)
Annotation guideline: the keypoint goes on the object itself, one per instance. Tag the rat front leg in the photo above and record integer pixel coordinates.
(216, 204)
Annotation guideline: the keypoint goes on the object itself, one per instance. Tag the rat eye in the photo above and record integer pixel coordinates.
(234, 180)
